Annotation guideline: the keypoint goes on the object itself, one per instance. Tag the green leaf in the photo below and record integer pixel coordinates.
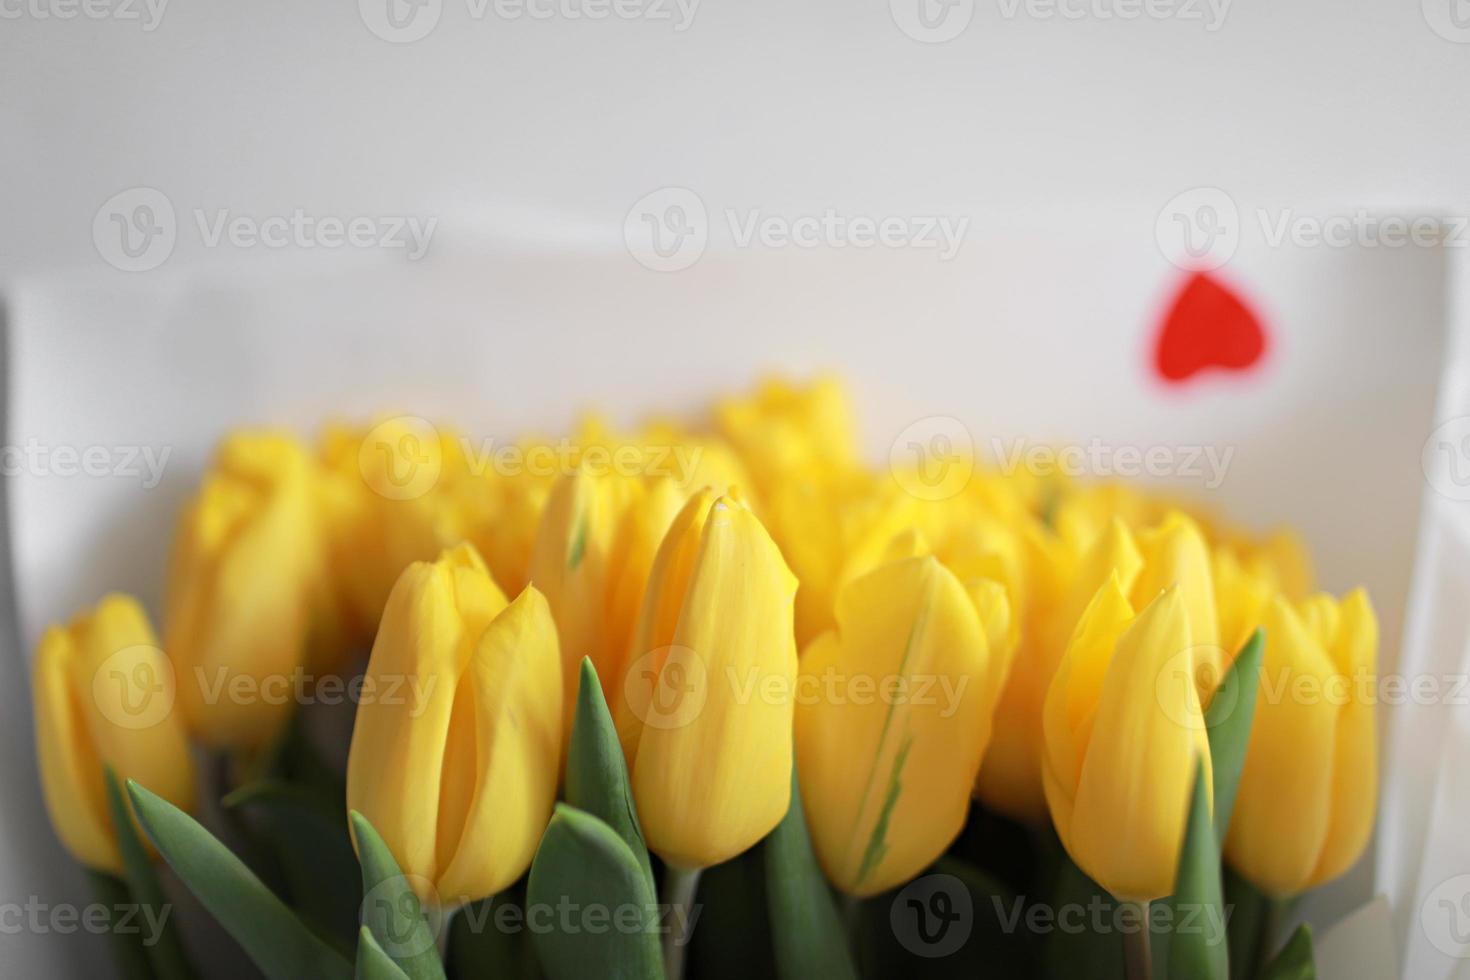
(806, 928)
(372, 962)
(391, 909)
(1295, 961)
(314, 852)
(165, 951)
(733, 941)
(129, 955)
(1197, 941)
(597, 775)
(271, 935)
(583, 864)
(1228, 722)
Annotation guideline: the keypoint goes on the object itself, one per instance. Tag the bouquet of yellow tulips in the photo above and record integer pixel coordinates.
(709, 699)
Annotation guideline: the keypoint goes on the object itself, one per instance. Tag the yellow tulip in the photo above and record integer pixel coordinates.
(1175, 554)
(786, 427)
(1010, 777)
(241, 588)
(705, 713)
(894, 716)
(458, 735)
(1241, 599)
(104, 696)
(1124, 733)
(1304, 811)
(594, 550)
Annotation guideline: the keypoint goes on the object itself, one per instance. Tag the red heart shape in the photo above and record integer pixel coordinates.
(1208, 326)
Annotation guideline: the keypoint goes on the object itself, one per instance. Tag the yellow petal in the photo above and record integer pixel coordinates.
(512, 745)
(1283, 806)
(1146, 737)
(397, 768)
(711, 785)
(886, 779)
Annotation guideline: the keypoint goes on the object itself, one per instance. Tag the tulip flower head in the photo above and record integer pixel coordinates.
(1124, 734)
(104, 695)
(457, 743)
(894, 717)
(705, 711)
(241, 588)
(1304, 810)
(594, 550)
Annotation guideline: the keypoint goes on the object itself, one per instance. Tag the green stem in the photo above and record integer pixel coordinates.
(1272, 918)
(679, 888)
(129, 954)
(1137, 958)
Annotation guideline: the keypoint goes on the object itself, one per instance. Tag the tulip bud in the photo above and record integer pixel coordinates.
(241, 586)
(785, 427)
(705, 711)
(594, 550)
(104, 695)
(894, 717)
(457, 742)
(1124, 733)
(1175, 554)
(1010, 776)
(1304, 810)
